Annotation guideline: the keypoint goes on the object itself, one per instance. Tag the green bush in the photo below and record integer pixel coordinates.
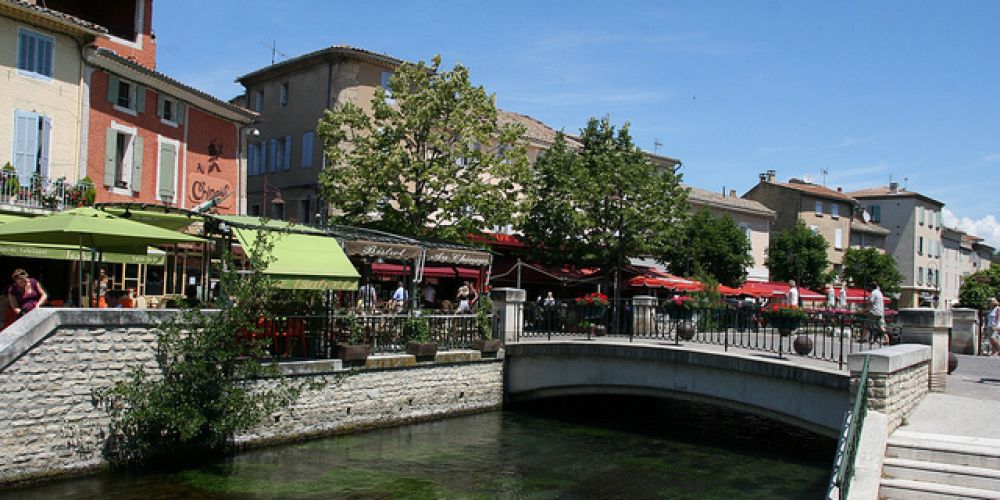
(416, 329)
(484, 309)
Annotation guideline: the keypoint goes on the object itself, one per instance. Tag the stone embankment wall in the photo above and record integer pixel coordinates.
(898, 379)
(53, 360)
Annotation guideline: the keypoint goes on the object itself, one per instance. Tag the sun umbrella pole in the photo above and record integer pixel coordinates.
(79, 269)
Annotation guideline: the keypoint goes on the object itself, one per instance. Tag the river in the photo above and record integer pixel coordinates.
(607, 447)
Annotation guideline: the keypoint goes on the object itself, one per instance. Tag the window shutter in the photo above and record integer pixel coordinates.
(43, 149)
(25, 144)
(262, 158)
(110, 147)
(251, 159)
(22, 52)
(45, 59)
(180, 109)
(307, 149)
(159, 105)
(288, 153)
(112, 89)
(140, 99)
(168, 163)
(273, 160)
(136, 163)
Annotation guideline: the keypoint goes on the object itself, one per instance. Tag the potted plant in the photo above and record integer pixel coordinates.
(10, 182)
(486, 344)
(592, 306)
(785, 318)
(355, 350)
(417, 335)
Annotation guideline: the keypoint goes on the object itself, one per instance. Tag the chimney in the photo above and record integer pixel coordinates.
(771, 174)
(840, 189)
(893, 187)
(732, 193)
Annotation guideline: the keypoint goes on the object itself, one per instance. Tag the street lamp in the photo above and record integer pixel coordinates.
(277, 200)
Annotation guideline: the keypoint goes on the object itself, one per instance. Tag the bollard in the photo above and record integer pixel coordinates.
(508, 312)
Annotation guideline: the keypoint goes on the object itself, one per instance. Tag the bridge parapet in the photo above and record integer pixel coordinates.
(898, 379)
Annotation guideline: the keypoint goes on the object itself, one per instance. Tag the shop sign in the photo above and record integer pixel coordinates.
(381, 250)
(458, 257)
(204, 186)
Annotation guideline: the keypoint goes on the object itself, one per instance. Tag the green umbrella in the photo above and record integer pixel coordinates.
(90, 228)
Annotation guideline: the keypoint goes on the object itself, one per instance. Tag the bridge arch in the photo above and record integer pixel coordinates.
(808, 397)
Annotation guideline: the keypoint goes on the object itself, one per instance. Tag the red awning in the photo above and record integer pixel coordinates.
(771, 289)
(385, 269)
(858, 296)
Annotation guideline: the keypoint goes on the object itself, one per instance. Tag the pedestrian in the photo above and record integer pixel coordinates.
(464, 298)
(877, 302)
(366, 297)
(399, 297)
(99, 295)
(430, 296)
(792, 297)
(25, 293)
(842, 296)
(473, 294)
(993, 326)
(549, 302)
(831, 296)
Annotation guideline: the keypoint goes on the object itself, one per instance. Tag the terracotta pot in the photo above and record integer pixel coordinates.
(803, 345)
(685, 330)
(424, 351)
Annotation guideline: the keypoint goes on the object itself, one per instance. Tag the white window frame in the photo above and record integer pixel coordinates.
(133, 98)
(283, 95)
(834, 210)
(160, 141)
(258, 103)
(819, 207)
(174, 111)
(838, 238)
(30, 73)
(126, 161)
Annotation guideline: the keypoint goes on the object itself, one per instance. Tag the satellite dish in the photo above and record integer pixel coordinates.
(865, 216)
(807, 179)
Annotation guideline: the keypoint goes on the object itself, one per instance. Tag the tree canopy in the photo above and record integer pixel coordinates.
(867, 266)
(601, 201)
(715, 246)
(797, 253)
(979, 287)
(431, 160)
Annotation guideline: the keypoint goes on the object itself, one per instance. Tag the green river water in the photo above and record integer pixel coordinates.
(569, 448)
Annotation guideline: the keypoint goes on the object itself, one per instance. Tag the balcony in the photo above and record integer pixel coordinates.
(38, 192)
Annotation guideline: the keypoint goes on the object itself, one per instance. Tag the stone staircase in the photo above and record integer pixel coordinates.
(931, 466)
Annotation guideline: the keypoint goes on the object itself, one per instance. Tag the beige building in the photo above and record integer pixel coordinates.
(867, 234)
(43, 100)
(914, 239)
(827, 212)
(753, 217)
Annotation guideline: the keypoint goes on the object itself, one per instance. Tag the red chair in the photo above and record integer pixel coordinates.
(295, 329)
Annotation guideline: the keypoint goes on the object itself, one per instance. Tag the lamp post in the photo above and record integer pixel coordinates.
(277, 200)
(618, 199)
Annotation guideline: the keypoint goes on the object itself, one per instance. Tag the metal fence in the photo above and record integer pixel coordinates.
(38, 191)
(822, 334)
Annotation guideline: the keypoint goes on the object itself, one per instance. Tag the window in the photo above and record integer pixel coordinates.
(35, 52)
(384, 83)
(834, 210)
(258, 103)
(126, 96)
(286, 161)
(169, 110)
(819, 207)
(876, 213)
(281, 153)
(307, 149)
(922, 214)
(283, 97)
(272, 161)
(920, 276)
(122, 159)
(304, 211)
(838, 238)
(32, 135)
(166, 179)
(920, 245)
(262, 158)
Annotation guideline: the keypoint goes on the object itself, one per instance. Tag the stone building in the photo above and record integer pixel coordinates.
(827, 212)
(753, 217)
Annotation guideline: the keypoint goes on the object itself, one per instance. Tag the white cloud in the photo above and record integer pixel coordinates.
(987, 228)
(991, 158)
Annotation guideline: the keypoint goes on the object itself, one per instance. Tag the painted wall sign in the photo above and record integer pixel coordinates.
(459, 257)
(384, 250)
(204, 186)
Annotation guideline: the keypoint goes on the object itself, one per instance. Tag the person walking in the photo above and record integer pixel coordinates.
(842, 296)
(993, 326)
(464, 298)
(792, 297)
(400, 296)
(831, 296)
(877, 303)
(99, 294)
(25, 294)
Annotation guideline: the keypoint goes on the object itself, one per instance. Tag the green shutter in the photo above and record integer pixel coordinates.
(140, 99)
(168, 162)
(159, 105)
(110, 147)
(136, 164)
(179, 110)
(112, 89)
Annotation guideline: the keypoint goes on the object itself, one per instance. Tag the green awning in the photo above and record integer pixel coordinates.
(69, 252)
(304, 261)
(164, 219)
(274, 224)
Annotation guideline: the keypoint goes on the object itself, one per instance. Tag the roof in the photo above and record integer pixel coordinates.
(699, 196)
(51, 18)
(108, 60)
(868, 227)
(332, 52)
(816, 190)
(886, 192)
(535, 129)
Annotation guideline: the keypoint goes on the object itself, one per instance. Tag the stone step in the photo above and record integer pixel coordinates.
(905, 489)
(955, 475)
(944, 449)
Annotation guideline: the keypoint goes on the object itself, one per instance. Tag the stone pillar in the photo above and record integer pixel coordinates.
(923, 325)
(964, 331)
(897, 379)
(643, 315)
(508, 313)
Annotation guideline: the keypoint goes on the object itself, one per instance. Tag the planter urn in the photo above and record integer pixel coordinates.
(685, 329)
(803, 345)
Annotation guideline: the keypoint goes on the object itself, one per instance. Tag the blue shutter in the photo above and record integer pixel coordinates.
(262, 159)
(110, 156)
(25, 144)
(307, 149)
(140, 99)
(180, 110)
(287, 161)
(22, 51)
(43, 149)
(112, 89)
(251, 159)
(45, 59)
(273, 160)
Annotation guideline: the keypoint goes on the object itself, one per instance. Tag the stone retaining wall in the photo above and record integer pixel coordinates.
(898, 379)
(53, 360)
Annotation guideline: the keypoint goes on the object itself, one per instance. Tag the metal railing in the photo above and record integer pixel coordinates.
(847, 446)
(38, 191)
(822, 334)
(317, 336)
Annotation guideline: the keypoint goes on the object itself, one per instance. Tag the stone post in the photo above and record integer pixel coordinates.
(964, 329)
(923, 325)
(897, 379)
(643, 315)
(508, 313)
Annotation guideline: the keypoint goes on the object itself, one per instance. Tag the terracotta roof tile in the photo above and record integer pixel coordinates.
(885, 192)
(704, 197)
(817, 190)
(55, 15)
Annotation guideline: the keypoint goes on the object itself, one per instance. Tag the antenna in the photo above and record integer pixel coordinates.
(657, 144)
(824, 172)
(274, 50)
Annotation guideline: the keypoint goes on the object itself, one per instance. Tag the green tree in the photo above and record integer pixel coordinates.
(430, 161)
(979, 287)
(797, 253)
(203, 390)
(603, 201)
(867, 266)
(713, 245)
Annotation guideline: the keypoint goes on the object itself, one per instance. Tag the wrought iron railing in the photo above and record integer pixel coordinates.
(38, 191)
(847, 446)
(822, 334)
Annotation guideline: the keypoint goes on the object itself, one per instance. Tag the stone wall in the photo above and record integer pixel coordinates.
(898, 379)
(53, 360)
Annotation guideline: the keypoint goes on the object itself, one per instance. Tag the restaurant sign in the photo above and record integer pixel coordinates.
(458, 257)
(382, 250)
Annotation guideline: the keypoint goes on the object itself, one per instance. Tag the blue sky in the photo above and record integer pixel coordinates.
(865, 90)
